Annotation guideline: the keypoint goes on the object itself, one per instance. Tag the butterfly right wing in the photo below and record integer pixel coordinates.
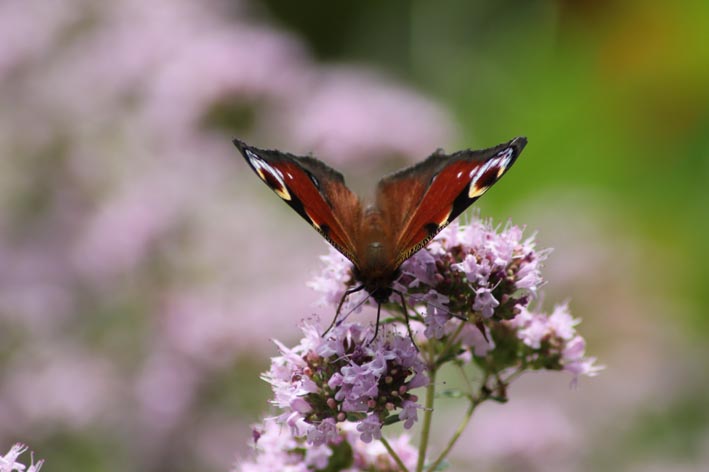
(422, 200)
(315, 191)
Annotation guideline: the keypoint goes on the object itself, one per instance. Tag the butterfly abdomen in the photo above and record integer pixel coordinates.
(375, 254)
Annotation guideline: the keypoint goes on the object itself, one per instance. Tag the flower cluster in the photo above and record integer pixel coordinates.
(327, 380)
(532, 340)
(472, 285)
(472, 271)
(8, 462)
(475, 272)
(476, 275)
(275, 448)
(470, 290)
(551, 342)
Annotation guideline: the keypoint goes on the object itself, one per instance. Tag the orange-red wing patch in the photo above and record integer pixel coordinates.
(316, 192)
(458, 181)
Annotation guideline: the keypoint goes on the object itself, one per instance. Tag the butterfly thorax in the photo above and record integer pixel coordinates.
(374, 269)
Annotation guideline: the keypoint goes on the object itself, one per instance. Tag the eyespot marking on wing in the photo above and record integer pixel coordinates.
(270, 175)
(482, 178)
(431, 228)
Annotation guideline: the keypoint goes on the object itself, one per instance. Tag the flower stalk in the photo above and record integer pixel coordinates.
(427, 417)
(393, 454)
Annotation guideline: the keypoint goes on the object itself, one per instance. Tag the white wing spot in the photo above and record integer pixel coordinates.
(501, 161)
(262, 168)
(475, 174)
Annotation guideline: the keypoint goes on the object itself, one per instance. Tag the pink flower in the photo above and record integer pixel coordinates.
(532, 328)
(552, 342)
(277, 449)
(332, 281)
(322, 381)
(8, 462)
(374, 456)
(480, 343)
(485, 302)
(561, 322)
(574, 360)
(489, 272)
(370, 428)
(409, 413)
(324, 433)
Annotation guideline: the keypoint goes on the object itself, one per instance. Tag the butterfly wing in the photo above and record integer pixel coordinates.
(315, 191)
(425, 198)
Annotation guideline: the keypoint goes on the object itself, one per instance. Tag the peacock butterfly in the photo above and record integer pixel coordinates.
(411, 206)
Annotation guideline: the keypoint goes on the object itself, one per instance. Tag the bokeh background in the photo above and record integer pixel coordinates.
(144, 268)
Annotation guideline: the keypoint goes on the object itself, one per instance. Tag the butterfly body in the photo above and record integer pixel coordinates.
(410, 206)
(375, 253)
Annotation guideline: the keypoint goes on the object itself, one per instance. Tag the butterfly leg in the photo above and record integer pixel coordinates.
(406, 317)
(347, 293)
(376, 326)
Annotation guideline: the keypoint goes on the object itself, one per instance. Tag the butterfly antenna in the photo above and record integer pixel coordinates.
(478, 324)
(448, 312)
(354, 308)
(342, 319)
(347, 293)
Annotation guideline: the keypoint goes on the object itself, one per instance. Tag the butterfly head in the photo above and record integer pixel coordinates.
(377, 283)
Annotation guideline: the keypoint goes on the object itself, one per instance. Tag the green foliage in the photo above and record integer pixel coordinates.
(676, 431)
(341, 457)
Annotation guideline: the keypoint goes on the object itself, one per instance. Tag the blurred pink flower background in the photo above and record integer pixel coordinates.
(143, 268)
(134, 275)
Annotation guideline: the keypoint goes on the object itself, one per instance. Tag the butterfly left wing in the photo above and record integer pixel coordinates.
(315, 191)
(425, 198)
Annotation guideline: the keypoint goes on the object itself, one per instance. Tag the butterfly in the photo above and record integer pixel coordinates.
(410, 207)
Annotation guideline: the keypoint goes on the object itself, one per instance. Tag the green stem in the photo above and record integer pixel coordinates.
(514, 375)
(393, 454)
(468, 383)
(461, 427)
(450, 343)
(474, 402)
(427, 415)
